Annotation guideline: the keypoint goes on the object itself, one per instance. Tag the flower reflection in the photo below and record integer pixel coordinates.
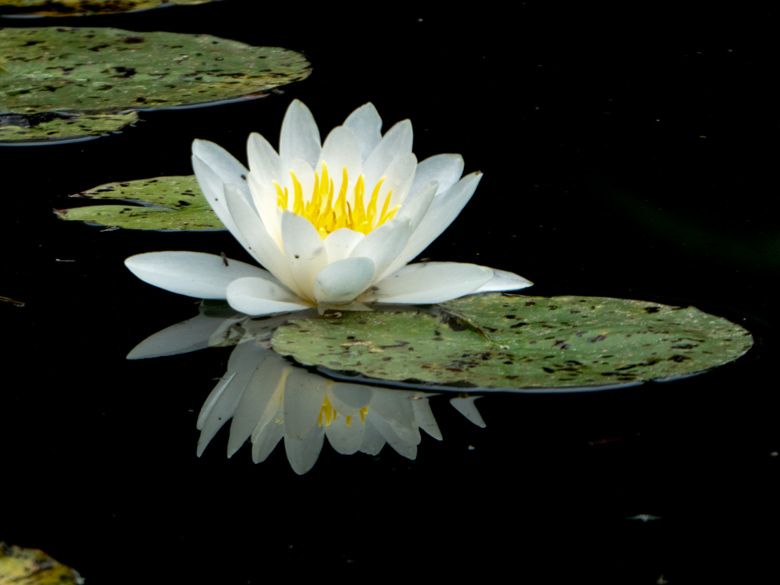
(334, 224)
(269, 398)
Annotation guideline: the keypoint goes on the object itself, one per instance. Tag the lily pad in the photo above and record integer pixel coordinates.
(171, 204)
(25, 8)
(100, 70)
(22, 566)
(495, 340)
(37, 129)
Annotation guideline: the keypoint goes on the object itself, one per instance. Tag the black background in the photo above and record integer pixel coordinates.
(619, 160)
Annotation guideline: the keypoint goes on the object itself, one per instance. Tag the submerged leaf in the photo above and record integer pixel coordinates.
(499, 341)
(174, 204)
(24, 566)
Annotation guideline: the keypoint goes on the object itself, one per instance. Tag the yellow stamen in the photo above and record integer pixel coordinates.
(298, 190)
(349, 210)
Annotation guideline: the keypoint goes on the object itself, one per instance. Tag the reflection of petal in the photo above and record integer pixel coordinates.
(270, 399)
(403, 442)
(222, 402)
(304, 394)
(267, 384)
(466, 406)
(346, 438)
(373, 441)
(423, 415)
(190, 335)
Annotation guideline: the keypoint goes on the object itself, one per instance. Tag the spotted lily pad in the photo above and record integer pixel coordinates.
(171, 204)
(22, 566)
(36, 129)
(82, 7)
(501, 341)
(100, 70)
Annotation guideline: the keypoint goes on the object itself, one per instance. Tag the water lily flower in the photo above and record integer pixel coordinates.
(334, 224)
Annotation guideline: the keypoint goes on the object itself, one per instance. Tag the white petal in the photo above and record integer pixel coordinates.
(340, 243)
(341, 149)
(397, 141)
(203, 276)
(400, 175)
(256, 239)
(503, 280)
(367, 126)
(304, 172)
(213, 172)
(384, 244)
(265, 167)
(223, 164)
(300, 137)
(303, 249)
(256, 296)
(445, 169)
(444, 208)
(263, 159)
(429, 282)
(264, 197)
(413, 211)
(342, 281)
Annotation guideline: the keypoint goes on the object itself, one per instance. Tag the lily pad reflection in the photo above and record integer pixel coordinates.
(31, 8)
(271, 400)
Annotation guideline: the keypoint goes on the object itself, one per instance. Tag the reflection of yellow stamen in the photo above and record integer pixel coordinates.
(349, 210)
(329, 414)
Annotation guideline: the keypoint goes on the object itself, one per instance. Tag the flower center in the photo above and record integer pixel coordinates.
(329, 212)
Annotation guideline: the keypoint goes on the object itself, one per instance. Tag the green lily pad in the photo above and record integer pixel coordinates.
(82, 7)
(494, 340)
(24, 566)
(172, 204)
(100, 70)
(36, 129)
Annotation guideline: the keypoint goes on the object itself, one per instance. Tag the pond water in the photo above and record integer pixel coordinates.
(639, 172)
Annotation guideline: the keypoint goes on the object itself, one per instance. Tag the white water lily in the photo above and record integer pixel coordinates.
(334, 224)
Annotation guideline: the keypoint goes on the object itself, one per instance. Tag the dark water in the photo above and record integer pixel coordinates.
(614, 166)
